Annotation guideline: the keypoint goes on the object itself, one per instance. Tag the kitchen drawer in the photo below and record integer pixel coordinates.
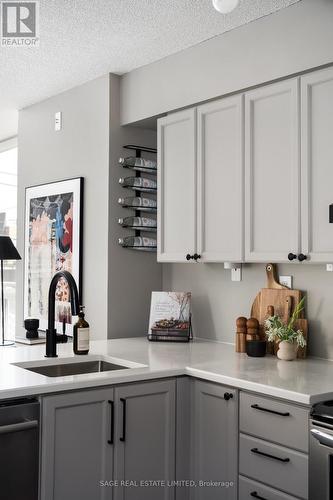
(283, 423)
(251, 490)
(290, 475)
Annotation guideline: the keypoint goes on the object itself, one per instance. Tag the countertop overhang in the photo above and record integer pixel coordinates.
(302, 381)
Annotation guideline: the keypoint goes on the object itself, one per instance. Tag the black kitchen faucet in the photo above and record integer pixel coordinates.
(52, 337)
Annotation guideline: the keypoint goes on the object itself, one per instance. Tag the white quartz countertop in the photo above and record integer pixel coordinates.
(303, 381)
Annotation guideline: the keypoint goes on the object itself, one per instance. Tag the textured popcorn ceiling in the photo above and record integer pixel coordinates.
(83, 39)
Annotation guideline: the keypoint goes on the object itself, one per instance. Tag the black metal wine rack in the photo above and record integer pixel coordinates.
(138, 153)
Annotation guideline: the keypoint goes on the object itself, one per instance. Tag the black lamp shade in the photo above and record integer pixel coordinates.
(7, 249)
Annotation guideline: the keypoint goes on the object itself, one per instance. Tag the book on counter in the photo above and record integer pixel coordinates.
(170, 317)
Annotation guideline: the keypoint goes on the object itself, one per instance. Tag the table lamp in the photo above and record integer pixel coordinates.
(7, 252)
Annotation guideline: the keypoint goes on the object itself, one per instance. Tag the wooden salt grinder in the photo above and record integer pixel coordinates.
(240, 334)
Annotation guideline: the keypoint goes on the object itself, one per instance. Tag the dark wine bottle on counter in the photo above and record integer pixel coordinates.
(81, 334)
(139, 164)
(138, 202)
(144, 223)
(138, 242)
(139, 183)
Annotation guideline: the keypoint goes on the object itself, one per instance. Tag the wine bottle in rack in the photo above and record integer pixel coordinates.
(143, 223)
(139, 242)
(141, 164)
(139, 184)
(138, 203)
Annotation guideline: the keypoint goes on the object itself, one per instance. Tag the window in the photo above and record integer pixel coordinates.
(8, 216)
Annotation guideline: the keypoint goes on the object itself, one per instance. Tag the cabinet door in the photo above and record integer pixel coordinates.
(176, 234)
(214, 441)
(220, 180)
(317, 165)
(76, 453)
(272, 172)
(145, 440)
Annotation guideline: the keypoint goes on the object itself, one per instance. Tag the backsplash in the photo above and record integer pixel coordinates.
(217, 301)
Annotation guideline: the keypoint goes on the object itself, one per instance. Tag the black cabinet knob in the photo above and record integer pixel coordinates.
(196, 257)
(292, 256)
(302, 257)
(189, 257)
(228, 395)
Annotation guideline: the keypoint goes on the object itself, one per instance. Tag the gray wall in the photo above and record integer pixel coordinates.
(291, 40)
(80, 149)
(132, 274)
(217, 301)
(114, 291)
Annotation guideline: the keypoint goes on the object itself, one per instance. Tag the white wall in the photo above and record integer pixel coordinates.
(291, 40)
(89, 145)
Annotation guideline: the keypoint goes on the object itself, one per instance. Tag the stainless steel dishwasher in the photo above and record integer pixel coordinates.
(321, 452)
(19, 449)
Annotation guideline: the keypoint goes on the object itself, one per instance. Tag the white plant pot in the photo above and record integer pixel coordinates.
(287, 351)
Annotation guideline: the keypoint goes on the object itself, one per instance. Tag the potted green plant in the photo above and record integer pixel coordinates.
(289, 339)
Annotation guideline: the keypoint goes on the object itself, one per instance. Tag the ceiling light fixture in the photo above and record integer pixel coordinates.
(225, 6)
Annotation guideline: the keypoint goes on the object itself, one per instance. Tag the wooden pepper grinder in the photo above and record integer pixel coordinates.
(252, 326)
(240, 334)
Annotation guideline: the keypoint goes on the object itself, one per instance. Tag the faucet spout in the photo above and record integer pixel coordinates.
(52, 338)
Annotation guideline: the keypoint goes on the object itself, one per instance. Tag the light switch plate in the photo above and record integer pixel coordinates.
(286, 281)
(329, 267)
(58, 121)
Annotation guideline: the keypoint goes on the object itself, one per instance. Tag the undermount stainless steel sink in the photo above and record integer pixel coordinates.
(62, 370)
(63, 367)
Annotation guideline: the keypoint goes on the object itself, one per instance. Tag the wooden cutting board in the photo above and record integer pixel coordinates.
(274, 295)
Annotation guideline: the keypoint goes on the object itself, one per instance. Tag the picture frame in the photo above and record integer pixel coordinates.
(53, 241)
(170, 317)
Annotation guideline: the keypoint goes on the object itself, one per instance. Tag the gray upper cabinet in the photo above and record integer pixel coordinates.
(317, 163)
(201, 183)
(276, 208)
(220, 180)
(272, 172)
(145, 439)
(214, 441)
(76, 453)
(176, 235)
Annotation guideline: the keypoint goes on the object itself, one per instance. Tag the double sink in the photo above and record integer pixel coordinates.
(67, 366)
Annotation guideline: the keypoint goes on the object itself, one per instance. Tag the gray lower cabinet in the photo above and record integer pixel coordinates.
(95, 438)
(145, 437)
(76, 453)
(251, 490)
(214, 441)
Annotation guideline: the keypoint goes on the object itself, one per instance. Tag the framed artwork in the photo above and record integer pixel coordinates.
(53, 242)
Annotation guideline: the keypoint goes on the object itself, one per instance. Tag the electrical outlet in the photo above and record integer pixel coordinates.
(58, 121)
(236, 274)
(286, 281)
(329, 267)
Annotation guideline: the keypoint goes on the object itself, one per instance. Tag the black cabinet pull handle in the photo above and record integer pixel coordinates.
(196, 257)
(228, 395)
(111, 403)
(302, 257)
(258, 452)
(189, 257)
(254, 494)
(260, 408)
(292, 256)
(123, 436)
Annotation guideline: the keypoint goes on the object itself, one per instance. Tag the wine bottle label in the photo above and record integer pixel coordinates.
(83, 339)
